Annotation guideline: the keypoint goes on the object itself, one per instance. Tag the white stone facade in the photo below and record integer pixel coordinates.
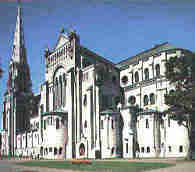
(85, 107)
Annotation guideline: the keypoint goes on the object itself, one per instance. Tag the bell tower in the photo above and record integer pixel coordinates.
(18, 95)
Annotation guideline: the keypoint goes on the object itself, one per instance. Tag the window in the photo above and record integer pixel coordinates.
(142, 149)
(147, 123)
(169, 122)
(112, 150)
(60, 151)
(148, 149)
(85, 124)
(57, 123)
(42, 109)
(157, 67)
(169, 148)
(136, 77)
(145, 100)
(50, 149)
(102, 124)
(152, 99)
(44, 124)
(127, 147)
(112, 124)
(132, 100)
(85, 100)
(180, 149)
(162, 123)
(124, 79)
(146, 74)
(55, 151)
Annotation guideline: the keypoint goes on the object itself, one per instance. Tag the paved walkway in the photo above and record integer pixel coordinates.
(181, 166)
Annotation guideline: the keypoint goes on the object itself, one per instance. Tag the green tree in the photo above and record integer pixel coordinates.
(180, 71)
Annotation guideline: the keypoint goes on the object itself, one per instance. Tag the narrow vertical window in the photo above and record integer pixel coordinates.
(157, 67)
(147, 123)
(146, 74)
(57, 124)
(169, 122)
(127, 147)
(136, 77)
(112, 124)
(180, 149)
(102, 124)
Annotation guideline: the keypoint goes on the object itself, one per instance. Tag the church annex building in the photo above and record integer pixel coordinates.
(86, 106)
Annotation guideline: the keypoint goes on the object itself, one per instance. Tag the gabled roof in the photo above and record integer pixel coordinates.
(62, 39)
(147, 53)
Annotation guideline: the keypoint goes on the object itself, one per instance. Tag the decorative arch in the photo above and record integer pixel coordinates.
(59, 86)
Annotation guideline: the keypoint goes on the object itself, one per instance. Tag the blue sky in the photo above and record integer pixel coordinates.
(115, 29)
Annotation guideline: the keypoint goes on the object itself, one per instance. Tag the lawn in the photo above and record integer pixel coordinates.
(100, 166)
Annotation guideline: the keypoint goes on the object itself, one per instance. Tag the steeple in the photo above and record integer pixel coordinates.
(19, 72)
(19, 51)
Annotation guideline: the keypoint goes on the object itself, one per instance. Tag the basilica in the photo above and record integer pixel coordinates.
(88, 106)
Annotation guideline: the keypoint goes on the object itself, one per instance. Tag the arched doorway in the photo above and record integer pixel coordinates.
(81, 149)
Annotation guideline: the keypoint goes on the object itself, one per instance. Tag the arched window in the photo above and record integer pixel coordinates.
(169, 148)
(136, 77)
(145, 100)
(124, 79)
(157, 67)
(142, 149)
(132, 100)
(55, 151)
(147, 123)
(146, 74)
(60, 151)
(60, 90)
(57, 123)
(148, 149)
(64, 90)
(180, 149)
(112, 150)
(152, 98)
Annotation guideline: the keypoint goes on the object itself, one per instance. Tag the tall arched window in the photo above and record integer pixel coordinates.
(64, 90)
(145, 100)
(157, 67)
(146, 74)
(56, 93)
(152, 98)
(136, 77)
(57, 123)
(60, 90)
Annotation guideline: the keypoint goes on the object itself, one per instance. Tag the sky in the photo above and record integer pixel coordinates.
(114, 29)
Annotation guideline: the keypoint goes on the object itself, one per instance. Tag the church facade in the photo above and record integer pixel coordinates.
(86, 108)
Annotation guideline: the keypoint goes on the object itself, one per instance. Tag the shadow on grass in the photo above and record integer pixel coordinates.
(103, 166)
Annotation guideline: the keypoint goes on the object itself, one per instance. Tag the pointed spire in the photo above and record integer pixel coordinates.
(18, 52)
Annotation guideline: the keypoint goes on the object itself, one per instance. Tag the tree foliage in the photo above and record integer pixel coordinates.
(180, 71)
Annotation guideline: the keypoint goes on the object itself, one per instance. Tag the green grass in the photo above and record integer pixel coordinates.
(100, 166)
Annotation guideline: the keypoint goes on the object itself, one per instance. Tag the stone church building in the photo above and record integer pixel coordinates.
(87, 105)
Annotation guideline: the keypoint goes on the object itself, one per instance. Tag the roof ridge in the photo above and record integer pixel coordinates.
(145, 51)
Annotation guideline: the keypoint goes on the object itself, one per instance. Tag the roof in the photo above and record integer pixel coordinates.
(86, 51)
(147, 53)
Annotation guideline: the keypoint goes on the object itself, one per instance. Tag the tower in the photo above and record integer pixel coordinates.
(18, 94)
